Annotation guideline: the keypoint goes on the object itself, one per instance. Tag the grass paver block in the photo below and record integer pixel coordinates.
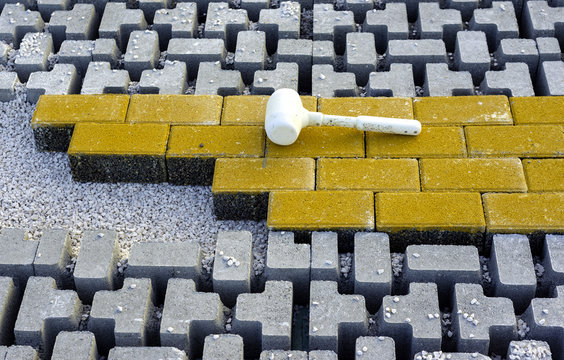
(75, 345)
(18, 253)
(216, 346)
(53, 255)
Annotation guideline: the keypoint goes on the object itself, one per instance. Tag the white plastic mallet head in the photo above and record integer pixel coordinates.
(286, 116)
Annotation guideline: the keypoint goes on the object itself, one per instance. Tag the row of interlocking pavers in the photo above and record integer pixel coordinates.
(334, 60)
(445, 298)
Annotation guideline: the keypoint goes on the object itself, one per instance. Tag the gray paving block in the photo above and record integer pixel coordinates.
(323, 52)
(335, 320)
(498, 22)
(189, 316)
(482, 324)
(412, 320)
(214, 81)
(17, 352)
(101, 79)
(118, 22)
(418, 53)
(96, 263)
(265, 320)
(396, 82)
(53, 255)
(285, 76)
(77, 53)
(224, 23)
(325, 82)
(195, 51)
(528, 349)
(436, 23)
(286, 260)
(77, 24)
(514, 81)
(171, 79)
(549, 49)
(324, 256)
(149, 7)
(438, 355)
(142, 53)
(440, 81)
(99, 5)
(180, 22)
(47, 7)
(221, 346)
(35, 49)
(8, 82)
(471, 54)
(359, 8)
(372, 268)
(371, 347)
(250, 54)
(332, 25)
(60, 311)
(121, 317)
(62, 80)
(545, 318)
(254, 7)
(281, 23)
(4, 50)
(16, 21)
(284, 355)
(17, 255)
(550, 78)
(106, 50)
(75, 345)
(9, 300)
(518, 50)
(553, 259)
(466, 7)
(323, 355)
(388, 24)
(360, 56)
(232, 265)
(142, 353)
(299, 51)
(512, 269)
(539, 19)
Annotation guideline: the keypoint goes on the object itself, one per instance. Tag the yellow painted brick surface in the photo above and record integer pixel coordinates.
(322, 142)
(119, 139)
(511, 141)
(216, 141)
(250, 109)
(321, 210)
(432, 142)
(472, 175)
(368, 174)
(462, 110)
(63, 110)
(261, 175)
(396, 107)
(175, 109)
(538, 110)
(524, 213)
(545, 174)
(451, 211)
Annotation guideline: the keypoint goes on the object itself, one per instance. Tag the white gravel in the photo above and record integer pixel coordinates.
(38, 193)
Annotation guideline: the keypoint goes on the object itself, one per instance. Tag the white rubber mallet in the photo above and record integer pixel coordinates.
(286, 117)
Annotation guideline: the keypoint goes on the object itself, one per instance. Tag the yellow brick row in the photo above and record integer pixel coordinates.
(538, 110)
(544, 174)
(396, 107)
(251, 109)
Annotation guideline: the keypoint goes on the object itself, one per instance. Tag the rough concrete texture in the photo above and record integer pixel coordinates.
(195, 51)
(62, 80)
(218, 346)
(387, 24)
(332, 25)
(146, 353)
(513, 81)
(396, 82)
(9, 300)
(300, 52)
(372, 347)
(471, 54)
(280, 24)
(77, 24)
(360, 56)
(440, 81)
(118, 22)
(225, 23)
(171, 79)
(75, 345)
(553, 259)
(550, 78)
(8, 82)
(325, 82)
(436, 23)
(418, 53)
(17, 255)
(250, 54)
(142, 53)
(518, 50)
(101, 79)
(498, 22)
(53, 255)
(17, 22)
(324, 256)
(35, 49)
(214, 81)
(285, 76)
(179, 22)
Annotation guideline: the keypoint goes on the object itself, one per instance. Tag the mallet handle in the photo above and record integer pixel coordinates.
(368, 123)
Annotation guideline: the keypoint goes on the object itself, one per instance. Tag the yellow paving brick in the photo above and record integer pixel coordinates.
(216, 141)
(119, 139)
(511, 141)
(450, 211)
(545, 174)
(321, 142)
(462, 110)
(472, 175)
(250, 109)
(538, 110)
(321, 210)
(396, 107)
(262, 175)
(433, 142)
(524, 213)
(63, 110)
(175, 109)
(368, 174)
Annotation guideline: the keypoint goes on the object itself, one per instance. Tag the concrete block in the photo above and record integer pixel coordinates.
(254, 7)
(279, 24)
(225, 23)
(359, 8)
(62, 80)
(118, 22)
(335, 321)
(360, 56)
(396, 82)
(550, 78)
(149, 7)
(300, 52)
(180, 22)
(265, 320)
(35, 49)
(283, 354)
(528, 349)
(322, 355)
(512, 269)
(96, 264)
(126, 353)
(553, 259)
(47, 7)
(332, 25)
(373, 347)
(17, 255)
(106, 50)
(440, 81)
(4, 50)
(142, 53)
(539, 19)
(549, 49)
(77, 53)
(323, 52)
(75, 345)
(481, 324)
(436, 23)
(101, 79)
(268, 81)
(53, 255)
(8, 82)
(325, 82)
(466, 7)
(518, 50)
(324, 256)
(99, 5)
(17, 22)
(514, 81)
(17, 352)
(218, 346)
(60, 311)
(418, 53)
(9, 300)
(426, 355)
(214, 81)
(471, 54)
(171, 79)
(195, 51)
(189, 316)
(250, 54)
(498, 22)
(77, 24)
(388, 24)
(372, 268)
